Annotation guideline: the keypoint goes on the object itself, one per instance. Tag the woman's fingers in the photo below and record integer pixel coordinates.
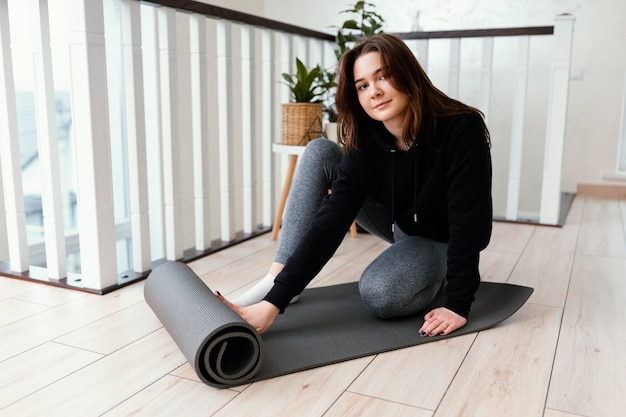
(441, 321)
(261, 315)
(237, 309)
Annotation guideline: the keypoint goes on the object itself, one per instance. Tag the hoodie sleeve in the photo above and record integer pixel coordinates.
(470, 212)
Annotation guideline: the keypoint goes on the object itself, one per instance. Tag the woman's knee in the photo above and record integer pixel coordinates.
(321, 150)
(404, 279)
(385, 301)
(381, 297)
(377, 301)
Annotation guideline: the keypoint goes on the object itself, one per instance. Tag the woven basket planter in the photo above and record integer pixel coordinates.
(301, 123)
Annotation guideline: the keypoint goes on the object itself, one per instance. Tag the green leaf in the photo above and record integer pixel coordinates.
(351, 24)
(305, 85)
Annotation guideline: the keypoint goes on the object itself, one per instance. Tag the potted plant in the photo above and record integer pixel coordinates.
(302, 117)
(366, 23)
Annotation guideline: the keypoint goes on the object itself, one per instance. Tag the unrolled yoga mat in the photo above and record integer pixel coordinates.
(328, 325)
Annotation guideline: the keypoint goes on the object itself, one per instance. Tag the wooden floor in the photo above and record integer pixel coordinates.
(67, 353)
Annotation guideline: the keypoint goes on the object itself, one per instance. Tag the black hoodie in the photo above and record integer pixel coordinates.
(440, 190)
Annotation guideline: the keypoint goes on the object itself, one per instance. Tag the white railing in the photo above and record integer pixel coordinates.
(173, 116)
(551, 200)
(620, 164)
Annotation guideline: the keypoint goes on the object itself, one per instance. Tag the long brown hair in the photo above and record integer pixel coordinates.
(426, 103)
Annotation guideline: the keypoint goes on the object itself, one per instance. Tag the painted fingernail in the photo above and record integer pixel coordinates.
(218, 293)
(422, 333)
(431, 334)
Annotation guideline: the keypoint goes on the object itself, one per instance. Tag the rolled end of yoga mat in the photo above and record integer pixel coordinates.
(223, 349)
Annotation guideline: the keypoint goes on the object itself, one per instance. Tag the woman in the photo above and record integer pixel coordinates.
(415, 170)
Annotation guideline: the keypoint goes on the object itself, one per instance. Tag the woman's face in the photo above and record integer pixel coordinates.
(380, 100)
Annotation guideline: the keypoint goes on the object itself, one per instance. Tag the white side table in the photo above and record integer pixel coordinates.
(293, 151)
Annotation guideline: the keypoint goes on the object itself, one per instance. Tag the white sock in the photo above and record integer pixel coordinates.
(257, 292)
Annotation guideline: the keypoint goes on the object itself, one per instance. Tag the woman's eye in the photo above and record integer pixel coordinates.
(361, 87)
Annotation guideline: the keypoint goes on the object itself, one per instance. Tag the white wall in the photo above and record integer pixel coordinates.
(599, 51)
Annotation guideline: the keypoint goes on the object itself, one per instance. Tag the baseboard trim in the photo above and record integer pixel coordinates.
(567, 200)
(74, 281)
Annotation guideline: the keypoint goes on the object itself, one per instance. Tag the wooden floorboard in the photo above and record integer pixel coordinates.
(495, 377)
(590, 367)
(418, 376)
(69, 353)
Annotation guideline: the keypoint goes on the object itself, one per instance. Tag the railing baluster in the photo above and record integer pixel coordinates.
(517, 129)
(152, 105)
(300, 49)
(200, 131)
(136, 135)
(225, 125)
(287, 56)
(620, 163)
(9, 153)
(454, 67)
(486, 77)
(422, 53)
(550, 209)
(317, 52)
(285, 66)
(248, 97)
(268, 131)
(329, 61)
(47, 142)
(214, 102)
(90, 118)
(169, 122)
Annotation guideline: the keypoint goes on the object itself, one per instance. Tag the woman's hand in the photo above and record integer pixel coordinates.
(441, 321)
(261, 315)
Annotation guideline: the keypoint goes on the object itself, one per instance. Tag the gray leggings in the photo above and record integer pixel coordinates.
(404, 278)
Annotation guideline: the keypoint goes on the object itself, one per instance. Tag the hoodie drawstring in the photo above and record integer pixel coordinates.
(416, 217)
(393, 194)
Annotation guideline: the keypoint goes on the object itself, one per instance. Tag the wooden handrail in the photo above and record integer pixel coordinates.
(246, 18)
(235, 16)
(478, 33)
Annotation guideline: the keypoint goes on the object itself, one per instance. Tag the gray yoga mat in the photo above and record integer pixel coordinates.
(328, 325)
